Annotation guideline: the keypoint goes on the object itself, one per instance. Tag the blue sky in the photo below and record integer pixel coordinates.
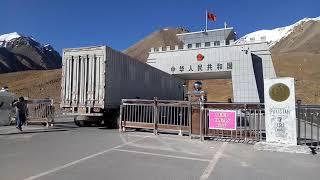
(121, 23)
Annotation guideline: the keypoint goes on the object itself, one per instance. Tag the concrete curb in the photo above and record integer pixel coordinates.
(275, 147)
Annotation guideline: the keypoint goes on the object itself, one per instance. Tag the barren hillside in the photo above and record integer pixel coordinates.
(298, 56)
(34, 84)
(161, 38)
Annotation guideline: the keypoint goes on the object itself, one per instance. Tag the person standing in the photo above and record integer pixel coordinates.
(21, 112)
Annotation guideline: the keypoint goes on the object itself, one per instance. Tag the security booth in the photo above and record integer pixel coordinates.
(197, 98)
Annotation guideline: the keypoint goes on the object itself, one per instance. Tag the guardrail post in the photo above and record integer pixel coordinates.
(201, 117)
(180, 119)
(299, 120)
(155, 115)
(120, 119)
(190, 117)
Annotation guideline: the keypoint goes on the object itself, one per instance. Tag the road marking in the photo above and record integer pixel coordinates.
(167, 148)
(123, 139)
(79, 161)
(205, 175)
(162, 155)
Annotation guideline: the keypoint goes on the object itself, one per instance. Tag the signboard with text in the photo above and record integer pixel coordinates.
(222, 119)
(176, 69)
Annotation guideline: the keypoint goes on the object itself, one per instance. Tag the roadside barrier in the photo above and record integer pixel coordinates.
(237, 122)
(40, 111)
(158, 115)
(249, 122)
(308, 124)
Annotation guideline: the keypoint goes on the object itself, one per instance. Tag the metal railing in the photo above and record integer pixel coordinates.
(250, 122)
(163, 115)
(193, 118)
(40, 111)
(308, 124)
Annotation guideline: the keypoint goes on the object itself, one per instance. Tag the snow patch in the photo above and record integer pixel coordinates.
(272, 36)
(8, 37)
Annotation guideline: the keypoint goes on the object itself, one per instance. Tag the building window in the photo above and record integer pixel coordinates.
(207, 44)
(198, 45)
(189, 46)
(227, 42)
(217, 43)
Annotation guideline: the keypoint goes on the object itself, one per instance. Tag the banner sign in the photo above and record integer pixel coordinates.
(222, 119)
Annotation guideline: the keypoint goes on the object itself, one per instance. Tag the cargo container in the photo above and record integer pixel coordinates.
(95, 79)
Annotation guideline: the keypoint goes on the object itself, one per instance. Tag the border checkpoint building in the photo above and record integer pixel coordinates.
(215, 54)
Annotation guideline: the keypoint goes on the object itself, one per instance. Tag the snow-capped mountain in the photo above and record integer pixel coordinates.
(18, 52)
(273, 36)
(5, 38)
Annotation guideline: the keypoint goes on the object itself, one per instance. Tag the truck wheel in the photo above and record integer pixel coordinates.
(79, 123)
(98, 123)
(81, 120)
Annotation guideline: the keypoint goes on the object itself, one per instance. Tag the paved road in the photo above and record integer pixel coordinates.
(67, 152)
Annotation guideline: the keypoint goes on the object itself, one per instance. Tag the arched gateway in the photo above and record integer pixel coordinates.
(215, 55)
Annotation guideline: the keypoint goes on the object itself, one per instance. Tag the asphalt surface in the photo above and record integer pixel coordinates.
(66, 152)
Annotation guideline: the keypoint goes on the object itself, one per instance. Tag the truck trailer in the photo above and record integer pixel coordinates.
(96, 78)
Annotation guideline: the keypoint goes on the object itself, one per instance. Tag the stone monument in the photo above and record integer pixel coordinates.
(280, 112)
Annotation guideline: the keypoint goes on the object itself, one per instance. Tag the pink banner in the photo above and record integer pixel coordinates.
(222, 119)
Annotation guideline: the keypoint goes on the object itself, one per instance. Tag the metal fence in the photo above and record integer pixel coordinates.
(40, 111)
(158, 115)
(193, 118)
(308, 124)
(250, 122)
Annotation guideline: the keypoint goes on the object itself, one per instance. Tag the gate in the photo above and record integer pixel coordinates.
(157, 115)
(308, 124)
(192, 118)
(40, 111)
(250, 123)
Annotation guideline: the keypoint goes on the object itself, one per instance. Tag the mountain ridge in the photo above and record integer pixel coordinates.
(273, 36)
(20, 53)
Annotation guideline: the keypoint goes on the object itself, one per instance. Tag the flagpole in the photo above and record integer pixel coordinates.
(206, 21)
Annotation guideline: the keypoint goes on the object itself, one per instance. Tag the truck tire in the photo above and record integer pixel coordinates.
(98, 123)
(81, 121)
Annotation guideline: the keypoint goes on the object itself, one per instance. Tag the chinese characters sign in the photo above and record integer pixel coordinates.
(222, 119)
(201, 67)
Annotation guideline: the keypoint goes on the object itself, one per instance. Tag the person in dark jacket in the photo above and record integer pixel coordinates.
(21, 112)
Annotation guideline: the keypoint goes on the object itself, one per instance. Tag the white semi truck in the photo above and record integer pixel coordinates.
(95, 79)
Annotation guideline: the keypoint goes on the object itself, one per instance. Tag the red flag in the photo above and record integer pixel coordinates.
(211, 16)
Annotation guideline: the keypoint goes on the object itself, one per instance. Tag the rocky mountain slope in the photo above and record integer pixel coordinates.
(20, 53)
(161, 38)
(298, 55)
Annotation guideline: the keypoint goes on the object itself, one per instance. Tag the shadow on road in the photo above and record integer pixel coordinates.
(33, 131)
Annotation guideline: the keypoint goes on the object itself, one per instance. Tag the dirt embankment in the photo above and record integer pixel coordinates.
(34, 84)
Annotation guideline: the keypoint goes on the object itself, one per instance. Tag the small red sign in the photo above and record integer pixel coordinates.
(200, 57)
